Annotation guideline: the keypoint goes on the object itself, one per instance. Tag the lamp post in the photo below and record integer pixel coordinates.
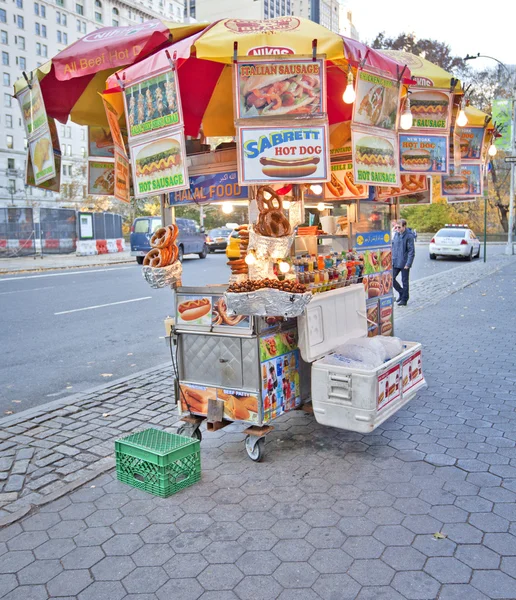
(509, 248)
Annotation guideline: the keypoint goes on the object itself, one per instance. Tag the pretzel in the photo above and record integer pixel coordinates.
(164, 249)
(271, 222)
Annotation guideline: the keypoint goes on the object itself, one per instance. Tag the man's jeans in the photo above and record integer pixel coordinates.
(402, 291)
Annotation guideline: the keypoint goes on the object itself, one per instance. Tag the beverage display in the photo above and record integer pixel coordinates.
(328, 272)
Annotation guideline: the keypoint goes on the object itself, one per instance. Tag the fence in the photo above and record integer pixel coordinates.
(25, 231)
(17, 233)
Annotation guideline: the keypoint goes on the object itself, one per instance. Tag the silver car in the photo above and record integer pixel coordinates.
(455, 240)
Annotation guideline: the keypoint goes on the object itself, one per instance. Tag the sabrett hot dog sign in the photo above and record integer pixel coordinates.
(210, 188)
(283, 154)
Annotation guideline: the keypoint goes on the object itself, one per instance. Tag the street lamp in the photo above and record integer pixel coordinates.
(509, 249)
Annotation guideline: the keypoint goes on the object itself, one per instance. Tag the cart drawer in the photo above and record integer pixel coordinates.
(222, 361)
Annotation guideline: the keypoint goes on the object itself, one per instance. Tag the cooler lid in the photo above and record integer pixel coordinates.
(331, 319)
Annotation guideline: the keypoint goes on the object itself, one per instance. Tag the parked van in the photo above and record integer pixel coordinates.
(191, 239)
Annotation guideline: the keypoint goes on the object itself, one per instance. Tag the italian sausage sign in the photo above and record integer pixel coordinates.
(283, 154)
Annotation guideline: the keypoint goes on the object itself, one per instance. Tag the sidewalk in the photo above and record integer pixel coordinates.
(328, 514)
(61, 261)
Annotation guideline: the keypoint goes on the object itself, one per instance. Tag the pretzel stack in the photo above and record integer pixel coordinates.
(239, 266)
(164, 250)
(272, 221)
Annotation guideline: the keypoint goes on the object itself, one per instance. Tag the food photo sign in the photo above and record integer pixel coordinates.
(122, 178)
(342, 183)
(283, 154)
(159, 164)
(101, 177)
(466, 181)
(377, 100)
(153, 104)
(471, 142)
(100, 142)
(411, 185)
(271, 88)
(375, 157)
(33, 109)
(431, 109)
(424, 153)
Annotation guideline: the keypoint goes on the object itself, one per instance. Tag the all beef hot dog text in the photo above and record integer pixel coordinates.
(277, 139)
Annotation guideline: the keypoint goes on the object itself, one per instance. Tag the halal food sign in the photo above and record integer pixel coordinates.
(283, 154)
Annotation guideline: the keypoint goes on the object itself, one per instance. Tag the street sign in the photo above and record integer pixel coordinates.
(510, 159)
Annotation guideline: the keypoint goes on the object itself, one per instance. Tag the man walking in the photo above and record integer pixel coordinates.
(403, 252)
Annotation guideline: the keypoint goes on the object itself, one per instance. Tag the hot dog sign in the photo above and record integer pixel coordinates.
(283, 154)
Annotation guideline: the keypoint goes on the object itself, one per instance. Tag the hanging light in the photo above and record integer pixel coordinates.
(462, 120)
(250, 258)
(284, 267)
(227, 208)
(492, 150)
(316, 189)
(321, 206)
(349, 94)
(406, 118)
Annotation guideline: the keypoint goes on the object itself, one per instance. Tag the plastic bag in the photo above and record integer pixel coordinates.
(361, 353)
(338, 360)
(370, 344)
(393, 346)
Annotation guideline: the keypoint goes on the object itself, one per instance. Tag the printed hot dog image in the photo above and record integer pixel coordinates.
(277, 89)
(342, 183)
(430, 109)
(283, 167)
(416, 160)
(194, 308)
(377, 100)
(424, 153)
(456, 186)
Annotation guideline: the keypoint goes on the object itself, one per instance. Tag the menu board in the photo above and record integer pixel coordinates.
(114, 127)
(340, 139)
(159, 164)
(153, 104)
(54, 183)
(377, 100)
(276, 88)
(33, 110)
(101, 177)
(386, 316)
(283, 154)
(209, 312)
(389, 388)
(40, 137)
(375, 157)
(466, 181)
(210, 187)
(423, 153)
(431, 110)
(471, 140)
(342, 183)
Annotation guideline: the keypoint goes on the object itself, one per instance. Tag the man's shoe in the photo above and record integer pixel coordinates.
(402, 303)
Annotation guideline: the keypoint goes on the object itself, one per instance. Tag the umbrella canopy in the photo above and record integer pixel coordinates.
(71, 81)
(425, 73)
(205, 66)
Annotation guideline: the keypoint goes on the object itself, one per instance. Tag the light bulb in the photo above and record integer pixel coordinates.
(321, 206)
(349, 93)
(492, 150)
(250, 258)
(406, 118)
(462, 120)
(284, 267)
(227, 208)
(286, 204)
(316, 189)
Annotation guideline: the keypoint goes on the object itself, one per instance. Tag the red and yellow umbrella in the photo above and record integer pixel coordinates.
(205, 66)
(70, 82)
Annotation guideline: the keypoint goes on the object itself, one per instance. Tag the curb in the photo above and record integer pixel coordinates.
(104, 264)
(54, 404)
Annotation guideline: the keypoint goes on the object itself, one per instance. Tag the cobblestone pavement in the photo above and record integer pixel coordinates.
(329, 514)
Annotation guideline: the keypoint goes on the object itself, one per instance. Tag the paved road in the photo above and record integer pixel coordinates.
(53, 347)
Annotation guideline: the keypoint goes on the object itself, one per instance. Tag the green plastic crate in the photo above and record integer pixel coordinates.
(158, 462)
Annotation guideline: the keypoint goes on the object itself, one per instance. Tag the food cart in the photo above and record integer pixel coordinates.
(311, 152)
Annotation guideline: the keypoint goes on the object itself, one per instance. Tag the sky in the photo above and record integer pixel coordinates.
(467, 26)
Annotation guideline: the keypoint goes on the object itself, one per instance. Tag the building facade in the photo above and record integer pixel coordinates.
(212, 10)
(30, 34)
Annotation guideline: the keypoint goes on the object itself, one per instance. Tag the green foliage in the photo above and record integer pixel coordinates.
(429, 218)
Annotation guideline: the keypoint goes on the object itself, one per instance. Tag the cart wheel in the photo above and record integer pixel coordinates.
(255, 447)
(187, 431)
(183, 430)
(196, 433)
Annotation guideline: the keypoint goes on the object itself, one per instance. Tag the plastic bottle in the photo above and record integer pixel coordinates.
(320, 262)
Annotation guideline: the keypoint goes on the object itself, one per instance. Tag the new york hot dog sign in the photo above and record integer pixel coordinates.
(283, 154)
